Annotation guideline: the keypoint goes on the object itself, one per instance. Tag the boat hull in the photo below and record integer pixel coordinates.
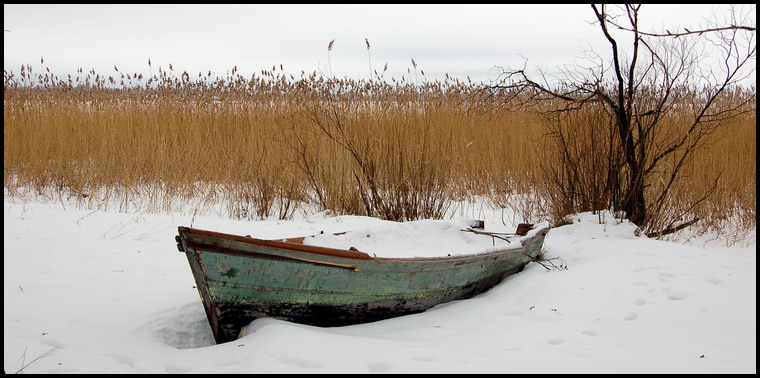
(241, 279)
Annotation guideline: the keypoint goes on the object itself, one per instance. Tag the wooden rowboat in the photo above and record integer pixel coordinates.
(241, 278)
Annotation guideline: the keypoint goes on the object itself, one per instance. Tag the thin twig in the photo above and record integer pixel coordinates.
(92, 212)
(497, 235)
(562, 265)
(21, 371)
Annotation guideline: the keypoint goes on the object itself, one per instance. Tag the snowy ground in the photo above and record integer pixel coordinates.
(107, 292)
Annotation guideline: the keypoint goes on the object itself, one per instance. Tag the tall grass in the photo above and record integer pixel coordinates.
(271, 144)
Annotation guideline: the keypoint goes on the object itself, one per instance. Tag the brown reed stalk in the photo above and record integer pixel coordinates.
(398, 150)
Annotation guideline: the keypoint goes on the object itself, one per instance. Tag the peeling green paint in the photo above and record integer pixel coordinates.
(231, 273)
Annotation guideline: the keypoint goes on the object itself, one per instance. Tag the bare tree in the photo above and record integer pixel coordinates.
(654, 108)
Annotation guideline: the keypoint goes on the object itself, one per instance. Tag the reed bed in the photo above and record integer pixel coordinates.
(273, 144)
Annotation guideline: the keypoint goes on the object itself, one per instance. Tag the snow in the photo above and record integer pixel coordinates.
(422, 238)
(95, 291)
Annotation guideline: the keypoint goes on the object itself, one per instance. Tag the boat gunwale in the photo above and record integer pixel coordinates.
(349, 254)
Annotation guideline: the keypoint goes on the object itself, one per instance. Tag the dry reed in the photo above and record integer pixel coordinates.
(271, 144)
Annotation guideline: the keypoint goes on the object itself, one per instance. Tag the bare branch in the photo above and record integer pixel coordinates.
(671, 230)
(687, 31)
(650, 116)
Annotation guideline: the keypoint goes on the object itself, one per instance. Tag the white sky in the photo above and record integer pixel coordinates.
(457, 39)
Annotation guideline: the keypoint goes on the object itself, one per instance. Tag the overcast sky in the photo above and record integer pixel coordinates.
(460, 40)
